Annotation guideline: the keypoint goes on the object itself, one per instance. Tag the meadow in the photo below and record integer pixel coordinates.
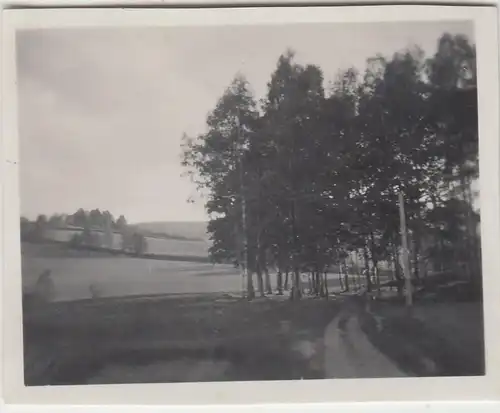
(76, 276)
(81, 275)
(119, 319)
(187, 247)
(161, 321)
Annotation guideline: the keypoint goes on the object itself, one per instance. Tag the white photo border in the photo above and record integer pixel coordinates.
(236, 393)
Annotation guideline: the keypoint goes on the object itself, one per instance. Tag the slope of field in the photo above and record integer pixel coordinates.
(80, 277)
(158, 246)
(177, 247)
(190, 230)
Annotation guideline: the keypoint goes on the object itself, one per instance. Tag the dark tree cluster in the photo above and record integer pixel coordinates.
(308, 179)
(92, 229)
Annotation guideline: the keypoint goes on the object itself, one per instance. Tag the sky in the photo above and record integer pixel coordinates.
(102, 111)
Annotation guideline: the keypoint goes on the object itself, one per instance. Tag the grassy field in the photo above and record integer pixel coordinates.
(192, 229)
(80, 274)
(175, 339)
(186, 247)
(117, 319)
(75, 274)
(161, 321)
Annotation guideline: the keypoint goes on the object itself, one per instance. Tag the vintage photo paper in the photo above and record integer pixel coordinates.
(250, 205)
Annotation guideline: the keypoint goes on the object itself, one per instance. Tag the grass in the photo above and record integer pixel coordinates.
(436, 339)
(74, 273)
(75, 342)
(210, 337)
(156, 246)
(191, 230)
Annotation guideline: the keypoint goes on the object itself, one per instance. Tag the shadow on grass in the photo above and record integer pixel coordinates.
(72, 343)
(419, 346)
(244, 364)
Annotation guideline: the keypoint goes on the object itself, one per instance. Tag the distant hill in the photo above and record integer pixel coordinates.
(193, 230)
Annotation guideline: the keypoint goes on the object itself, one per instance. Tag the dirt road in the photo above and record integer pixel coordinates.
(349, 353)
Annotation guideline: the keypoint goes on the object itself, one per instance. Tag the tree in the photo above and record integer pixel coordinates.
(139, 244)
(134, 242)
(216, 163)
(127, 243)
(108, 223)
(56, 221)
(292, 118)
(26, 229)
(313, 179)
(96, 219)
(121, 223)
(90, 238)
(392, 130)
(40, 228)
(76, 240)
(80, 218)
(452, 72)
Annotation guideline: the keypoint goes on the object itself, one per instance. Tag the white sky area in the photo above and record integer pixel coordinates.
(102, 111)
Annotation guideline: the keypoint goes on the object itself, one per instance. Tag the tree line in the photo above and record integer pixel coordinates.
(308, 178)
(92, 229)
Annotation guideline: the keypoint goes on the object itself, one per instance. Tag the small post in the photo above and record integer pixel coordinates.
(404, 242)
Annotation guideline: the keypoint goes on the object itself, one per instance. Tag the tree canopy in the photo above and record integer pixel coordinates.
(309, 176)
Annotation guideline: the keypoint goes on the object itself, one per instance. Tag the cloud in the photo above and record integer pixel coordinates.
(102, 111)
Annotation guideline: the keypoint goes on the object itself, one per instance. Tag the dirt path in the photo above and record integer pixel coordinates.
(349, 354)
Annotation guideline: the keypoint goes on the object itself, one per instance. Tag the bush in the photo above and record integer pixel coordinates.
(76, 241)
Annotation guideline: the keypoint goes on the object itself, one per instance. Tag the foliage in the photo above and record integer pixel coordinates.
(95, 229)
(312, 177)
(133, 242)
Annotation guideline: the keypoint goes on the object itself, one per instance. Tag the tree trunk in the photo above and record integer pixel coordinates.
(279, 281)
(467, 249)
(341, 282)
(377, 278)
(250, 288)
(267, 279)
(375, 275)
(392, 276)
(424, 269)
(287, 274)
(415, 254)
(350, 276)
(322, 291)
(441, 259)
(475, 266)
(260, 264)
(357, 271)
(346, 278)
(296, 284)
(367, 270)
(260, 282)
(397, 272)
(325, 275)
(476, 244)
(296, 287)
(317, 282)
(437, 263)
(302, 288)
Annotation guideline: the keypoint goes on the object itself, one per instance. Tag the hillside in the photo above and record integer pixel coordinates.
(190, 230)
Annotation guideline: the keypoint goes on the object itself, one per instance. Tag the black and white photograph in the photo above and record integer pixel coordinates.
(251, 202)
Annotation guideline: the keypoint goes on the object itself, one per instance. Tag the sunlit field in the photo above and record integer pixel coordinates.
(81, 277)
(77, 276)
